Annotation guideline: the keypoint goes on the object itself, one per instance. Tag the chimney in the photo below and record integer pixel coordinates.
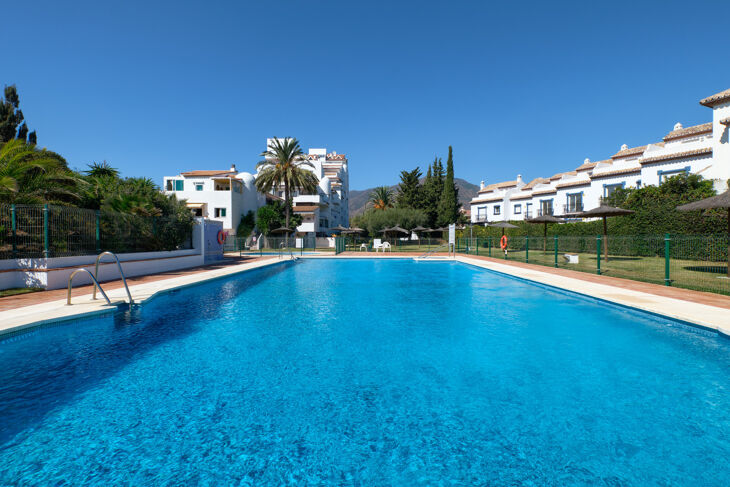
(586, 161)
(624, 147)
(678, 126)
(481, 185)
(519, 179)
(233, 168)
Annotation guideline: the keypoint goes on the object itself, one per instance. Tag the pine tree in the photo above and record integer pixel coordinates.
(448, 207)
(12, 125)
(409, 189)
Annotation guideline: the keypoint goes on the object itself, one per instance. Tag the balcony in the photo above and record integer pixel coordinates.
(544, 211)
(573, 208)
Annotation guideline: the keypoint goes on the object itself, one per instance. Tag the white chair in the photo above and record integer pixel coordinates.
(377, 244)
(363, 246)
(386, 246)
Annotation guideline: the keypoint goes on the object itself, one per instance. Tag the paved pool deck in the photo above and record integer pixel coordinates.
(705, 309)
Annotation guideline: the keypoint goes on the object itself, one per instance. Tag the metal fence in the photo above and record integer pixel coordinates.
(35, 231)
(698, 262)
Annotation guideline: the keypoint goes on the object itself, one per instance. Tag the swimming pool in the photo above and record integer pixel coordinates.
(372, 372)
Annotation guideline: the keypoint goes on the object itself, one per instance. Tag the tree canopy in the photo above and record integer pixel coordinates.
(448, 207)
(12, 121)
(409, 189)
(381, 198)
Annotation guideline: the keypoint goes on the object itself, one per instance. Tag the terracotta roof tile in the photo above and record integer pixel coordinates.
(544, 191)
(676, 155)
(689, 131)
(586, 166)
(534, 183)
(629, 170)
(520, 197)
(634, 151)
(487, 200)
(716, 98)
(208, 173)
(503, 185)
(570, 184)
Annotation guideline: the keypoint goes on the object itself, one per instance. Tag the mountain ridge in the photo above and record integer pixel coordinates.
(359, 197)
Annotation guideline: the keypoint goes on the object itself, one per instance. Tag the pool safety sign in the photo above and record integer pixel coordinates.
(452, 234)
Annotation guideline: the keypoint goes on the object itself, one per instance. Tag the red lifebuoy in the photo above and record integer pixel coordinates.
(503, 242)
(221, 237)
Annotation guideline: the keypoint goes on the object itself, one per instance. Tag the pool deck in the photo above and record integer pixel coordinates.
(704, 309)
(32, 309)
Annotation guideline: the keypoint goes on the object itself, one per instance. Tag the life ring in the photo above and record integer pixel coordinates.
(221, 237)
(503, 242)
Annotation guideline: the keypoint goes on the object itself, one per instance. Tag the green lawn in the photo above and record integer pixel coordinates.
(18, 290)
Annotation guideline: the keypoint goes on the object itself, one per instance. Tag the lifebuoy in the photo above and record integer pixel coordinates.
(221, 237)
(503, 242)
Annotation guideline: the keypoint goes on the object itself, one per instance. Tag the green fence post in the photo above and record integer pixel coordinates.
(98, 232)
(477, 254)
(667, 239)
(14, 226)
(556, 250)
(527, 248)
(489, 243)
(46, 252)
(598, 255)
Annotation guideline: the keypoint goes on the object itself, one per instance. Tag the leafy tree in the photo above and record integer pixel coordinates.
(431, 191)
(12, 125)
(375, 220)
(30, 175)
(381, 198)
(409, 189)
(448, 208)
(273, 215)
(246, 225)
(285, 164)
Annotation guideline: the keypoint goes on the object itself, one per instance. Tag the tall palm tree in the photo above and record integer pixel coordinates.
(382, 198)
(31, 175)
(102, 170)
(285, 164)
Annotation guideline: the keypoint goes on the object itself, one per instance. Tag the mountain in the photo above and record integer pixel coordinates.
(359, 198)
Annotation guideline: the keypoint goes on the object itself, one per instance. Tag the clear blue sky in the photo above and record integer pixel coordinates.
(156, 88)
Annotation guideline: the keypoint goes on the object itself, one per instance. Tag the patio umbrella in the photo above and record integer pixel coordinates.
(503, 225)
(339, 228)
(544, 219)
(282, 230)
(719, 201)
(604, 212)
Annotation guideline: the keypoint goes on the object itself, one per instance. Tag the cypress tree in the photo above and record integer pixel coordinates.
(448, 207)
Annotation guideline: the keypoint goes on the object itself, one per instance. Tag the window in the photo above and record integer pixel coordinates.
(198, 186)
(664, 175)
(220, 213)
(197, 211)
(321, 222)
(610, 188)
(638, 183)
(518, 209)
(575, 203)
(174, 185)
(528, 210)
(546, 207)
(481, 213)
(497, 209)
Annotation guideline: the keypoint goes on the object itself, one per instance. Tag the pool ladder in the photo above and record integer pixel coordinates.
(94, 278)
(431, 252)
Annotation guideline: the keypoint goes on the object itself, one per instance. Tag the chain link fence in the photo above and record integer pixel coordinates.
(36, 231)
(698, 262)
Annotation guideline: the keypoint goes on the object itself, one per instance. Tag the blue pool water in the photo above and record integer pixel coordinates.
(366, 372)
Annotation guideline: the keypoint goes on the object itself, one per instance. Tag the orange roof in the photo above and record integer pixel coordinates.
(629, 170)
(522, 197)
(487, 200)
(305, 209)
(574, 183)
(207, 173)
(502, 185)
(534, 183)
(689, 131)
(544, 191)
(677, 155)
(586, 166)
(629, 152)
(716, 98)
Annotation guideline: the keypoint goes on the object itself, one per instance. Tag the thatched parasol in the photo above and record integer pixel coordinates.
(339, 228)
(719, 201)
(502, 225)
(605, 212)
(281, 230)
(544, 219)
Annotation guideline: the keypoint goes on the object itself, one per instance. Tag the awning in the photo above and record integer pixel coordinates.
(195, 205)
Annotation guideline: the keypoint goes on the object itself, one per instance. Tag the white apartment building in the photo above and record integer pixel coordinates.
(227, 195)
(328, 208)
(222, 195)
(701, 149)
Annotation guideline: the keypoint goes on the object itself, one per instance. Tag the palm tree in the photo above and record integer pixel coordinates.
(102, 170)
(31, 175)
(285, 164)
(381, 198)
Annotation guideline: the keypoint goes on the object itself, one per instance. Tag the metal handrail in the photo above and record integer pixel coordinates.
(430, 252)
(96, 284)
(121, 272)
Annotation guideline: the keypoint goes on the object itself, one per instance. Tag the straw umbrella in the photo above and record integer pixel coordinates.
(503, 225)
(418, 231)
(339, 228)
(719, 201)
(283, 230)
(544, 219)
(604, 212)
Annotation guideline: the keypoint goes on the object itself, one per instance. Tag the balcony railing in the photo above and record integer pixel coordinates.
(572, 208)
(544, 211)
